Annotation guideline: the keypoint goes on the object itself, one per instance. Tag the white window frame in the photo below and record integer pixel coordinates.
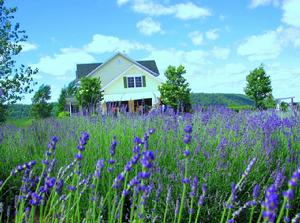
(134, 81)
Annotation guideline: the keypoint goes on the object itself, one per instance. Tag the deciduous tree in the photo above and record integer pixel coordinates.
(40, 106)
(14, 80)
(259, 88)
(175, 92)
(89, 93)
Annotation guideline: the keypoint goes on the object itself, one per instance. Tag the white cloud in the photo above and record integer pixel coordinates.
(26, 46)
(291, 12)
(256, 3)
(261, 47)
(212, 34)
(196, 37)
(184, 11)
(63, 62)
(220, 52)
(108, 44)
(270, 44)
(189, 10)
(148, 26)
(122, 2)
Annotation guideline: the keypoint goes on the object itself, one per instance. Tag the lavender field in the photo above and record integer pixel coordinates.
(214, 165)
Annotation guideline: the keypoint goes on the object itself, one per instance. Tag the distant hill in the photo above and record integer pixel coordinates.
(207, 99)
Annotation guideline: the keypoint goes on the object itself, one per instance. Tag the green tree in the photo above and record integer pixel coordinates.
(61, 101)
(89, 93)
(259, 88)
(175, 92)
(14, 80)
(40, 106)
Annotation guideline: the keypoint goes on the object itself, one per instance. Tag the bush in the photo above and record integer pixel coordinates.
(63, 114)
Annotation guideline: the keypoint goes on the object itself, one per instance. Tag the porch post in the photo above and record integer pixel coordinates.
(70, 108)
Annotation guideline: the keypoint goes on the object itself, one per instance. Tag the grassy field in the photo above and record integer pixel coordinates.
(215, 165)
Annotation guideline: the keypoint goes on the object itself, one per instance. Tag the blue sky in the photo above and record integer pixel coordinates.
(218, 42)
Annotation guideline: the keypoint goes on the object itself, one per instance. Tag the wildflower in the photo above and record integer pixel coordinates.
(249, 167)
(271, 203)
(99, 167)
(194, 187)
(186, 153)
(256, 192)
(113, 146)
(202, 197)
(188, 129)
(187, 138)
(78, 156)
(35, 199)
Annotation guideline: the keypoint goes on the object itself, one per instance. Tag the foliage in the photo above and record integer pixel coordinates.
(18, 111)
(221, 145)
(259, 88)
(228, 100)
(284, 106)
(63, 114)
(175, 92)
(14, 81)
(89, 93)
(40, 106)
(60, 107)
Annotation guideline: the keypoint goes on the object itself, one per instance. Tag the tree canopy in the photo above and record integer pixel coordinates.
(259, 88)
(175, 92)
(15, 80)
(89, 93)
(40, 106)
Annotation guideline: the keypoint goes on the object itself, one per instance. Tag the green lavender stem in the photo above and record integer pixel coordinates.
(183, 192)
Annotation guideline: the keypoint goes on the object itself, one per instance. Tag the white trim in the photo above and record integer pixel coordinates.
(126, 57)
(122, 74)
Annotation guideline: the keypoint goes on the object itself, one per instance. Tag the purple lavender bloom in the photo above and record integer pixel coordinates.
(78, 156)
(143, 175)
(50, 182)
(185, 180)
(35, 199)
(293, 182)
(52, 144)
(188, 129)
(271, 203)
(59, 186)
(148, 157)
(134, 181)
(194, 187)
(151, 131)
(99, 167)
(111, 161)
(71, 188)
(289, 194)
(256, 192)
(113, 146)
(186, 153)
(187, 138)
(137, 141)
(136, 149)
(249, 167)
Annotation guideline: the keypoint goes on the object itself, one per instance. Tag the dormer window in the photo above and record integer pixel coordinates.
(134, 81)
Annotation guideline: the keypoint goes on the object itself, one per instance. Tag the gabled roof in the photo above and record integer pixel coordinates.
(85, 69)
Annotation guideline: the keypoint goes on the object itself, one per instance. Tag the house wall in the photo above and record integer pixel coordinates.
(112, 69)
(117, 86)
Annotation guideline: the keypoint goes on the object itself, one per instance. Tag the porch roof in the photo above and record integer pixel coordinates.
(130, 96)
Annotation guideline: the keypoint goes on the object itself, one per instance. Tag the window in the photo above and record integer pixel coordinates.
(132, 82)
(138, 81)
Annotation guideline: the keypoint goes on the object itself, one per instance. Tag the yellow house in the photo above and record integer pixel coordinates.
(126, 83)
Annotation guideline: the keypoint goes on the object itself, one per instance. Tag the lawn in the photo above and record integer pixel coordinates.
(214, 165)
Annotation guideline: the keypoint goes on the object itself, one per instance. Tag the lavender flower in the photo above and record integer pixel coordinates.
(99, 167)
(194, 187)
(271, 203)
